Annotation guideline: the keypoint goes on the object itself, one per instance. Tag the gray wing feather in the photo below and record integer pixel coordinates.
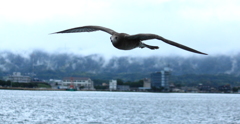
(88, 29)
(154, 36)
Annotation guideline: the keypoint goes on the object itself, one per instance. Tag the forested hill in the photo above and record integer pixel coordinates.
(47, 65)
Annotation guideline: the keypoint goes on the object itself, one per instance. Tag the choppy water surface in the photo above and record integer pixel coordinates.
(61, 107)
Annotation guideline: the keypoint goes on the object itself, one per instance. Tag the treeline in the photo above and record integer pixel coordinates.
(131, 83)
(206, 80)
(26, 85)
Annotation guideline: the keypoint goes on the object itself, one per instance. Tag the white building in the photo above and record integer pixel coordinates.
(147, 83)
(56, 81)
(78, 82)
(113, 85)
(17, 77)
(57, 84)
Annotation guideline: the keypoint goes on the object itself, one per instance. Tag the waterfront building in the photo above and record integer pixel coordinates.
(78, 82)
(123, 87)
(113, 85)
(17, 77)
(56, 81)
(161, 79)
(105, 84)
(57, 84)
(147, 83)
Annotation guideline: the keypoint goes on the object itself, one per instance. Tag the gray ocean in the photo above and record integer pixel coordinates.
(83, 107)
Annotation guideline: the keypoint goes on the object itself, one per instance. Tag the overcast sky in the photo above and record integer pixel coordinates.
(210, 26)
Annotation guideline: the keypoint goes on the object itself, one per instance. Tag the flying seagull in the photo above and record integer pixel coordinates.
(125, 41)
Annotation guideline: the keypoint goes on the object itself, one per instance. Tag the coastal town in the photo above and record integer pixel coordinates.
(158, 82)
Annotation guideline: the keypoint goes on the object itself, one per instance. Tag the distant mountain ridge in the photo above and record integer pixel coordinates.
(48, 65)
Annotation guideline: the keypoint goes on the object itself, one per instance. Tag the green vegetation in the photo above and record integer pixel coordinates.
(5, 83)
(134, 84)
(206, 80)
(120, 82)
(43, 85)
(98, 82)
(156, 89)
(26, 85)
(235, 89)
(101, 87)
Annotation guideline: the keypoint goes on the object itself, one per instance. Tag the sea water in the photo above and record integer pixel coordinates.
(83, 107)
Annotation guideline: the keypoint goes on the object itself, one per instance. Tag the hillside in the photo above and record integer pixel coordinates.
(46, 65)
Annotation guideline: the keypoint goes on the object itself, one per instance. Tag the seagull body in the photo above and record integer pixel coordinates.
(125, 41)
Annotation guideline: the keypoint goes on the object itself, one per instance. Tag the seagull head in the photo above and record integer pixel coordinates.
(114, 38)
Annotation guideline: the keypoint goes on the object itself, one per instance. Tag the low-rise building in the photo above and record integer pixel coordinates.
(57, 84)
(123, 87)
(177, 90)
(190, 89)
(17, 77)
(147, 83)
(225, 88)
(78, 82)
(113, 85)
(56, 81)
(104, 84)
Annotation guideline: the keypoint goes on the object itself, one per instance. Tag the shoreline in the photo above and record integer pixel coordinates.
(22, 88)
(49, 89)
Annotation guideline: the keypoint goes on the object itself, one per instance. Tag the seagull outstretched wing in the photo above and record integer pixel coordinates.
(87, 29)
(154, 36)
